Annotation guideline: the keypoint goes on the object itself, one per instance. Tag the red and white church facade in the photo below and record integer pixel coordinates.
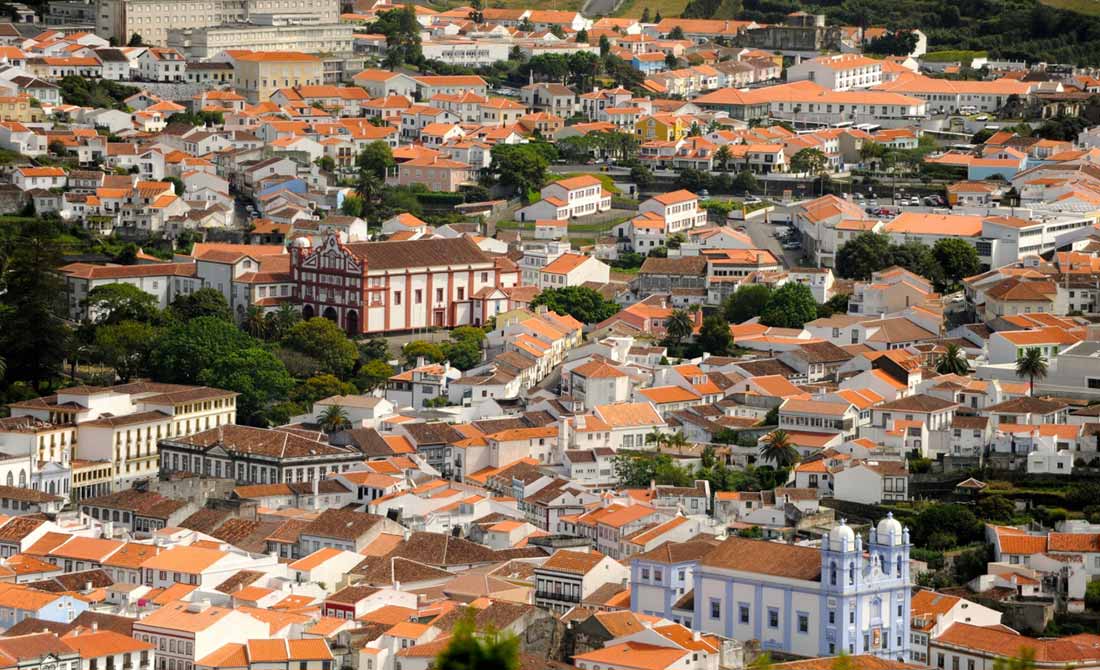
(380, 287)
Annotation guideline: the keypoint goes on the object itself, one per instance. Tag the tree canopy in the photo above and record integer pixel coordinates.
(580, 302)
(790, 306)
(324, 341)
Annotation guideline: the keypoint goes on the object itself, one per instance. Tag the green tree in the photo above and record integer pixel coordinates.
(113, 303)
(463, 354)
(466, 650)
(323, 340)
(957, 259)
(944, 526)
(645, 15)
(790, 306)
(519, 166)
(678, 326)
(374, 349)
(777, 449)
(894, 43)
(809, 161)
(746, 302)
(402, 32)
(256, 322)
(745, 182)
(714, 335)
(372, 375)
(1092, 596)
(177, 184)
(352, 205)
(917, 258)
(125, 347)
(1033, 365)
(32, 296)
(334, 418)
(417, 349)
(642, 176)
(953, 361)
(135, 41)
(476, 13)
(862, 255)
(185, 349)
(205, 302)
(376, 158)
(1023, 660)
(582, 36)
(677, 33)
(605, 46)
(256, 374)
(281, 321)
(320, 387)
(996, 508)
(580, 302)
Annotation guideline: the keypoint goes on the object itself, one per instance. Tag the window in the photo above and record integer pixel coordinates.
(803, 623)
(773, 618)
(657, 575)
(645, 573)
(832, 618)
(715, 608)
(743, 613)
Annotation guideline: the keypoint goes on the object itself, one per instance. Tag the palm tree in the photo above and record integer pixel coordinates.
(1031, 365)
(953, 362)
(282, 320)
(778, 449)
(334, 418)
(656, 437)
(722, 156)
(255, 322)
(676, 441)
(679, 325)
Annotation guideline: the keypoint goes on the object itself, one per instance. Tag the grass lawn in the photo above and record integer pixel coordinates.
(1087, 7)
(605, 179)
(966, 56)
(667, 8)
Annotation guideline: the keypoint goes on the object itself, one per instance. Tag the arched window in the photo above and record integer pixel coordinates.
(832, 573)
(899, 566)
(11, 478)
(885, 563)
(851, 573)
(22, 479)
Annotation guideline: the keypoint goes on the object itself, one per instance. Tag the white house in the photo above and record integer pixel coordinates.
(568, 198)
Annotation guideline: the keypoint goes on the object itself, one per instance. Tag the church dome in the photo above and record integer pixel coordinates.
(889, 531)
(842, 538)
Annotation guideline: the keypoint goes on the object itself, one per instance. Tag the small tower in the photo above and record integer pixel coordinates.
(841, 559)
(890, 542)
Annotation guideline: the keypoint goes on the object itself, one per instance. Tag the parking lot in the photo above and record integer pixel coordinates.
(763, 236)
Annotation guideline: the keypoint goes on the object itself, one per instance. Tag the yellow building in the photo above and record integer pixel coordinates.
(664, 127)
(18, 108)
(258, 74)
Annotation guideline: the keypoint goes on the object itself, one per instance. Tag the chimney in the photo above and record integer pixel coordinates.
(95, 626)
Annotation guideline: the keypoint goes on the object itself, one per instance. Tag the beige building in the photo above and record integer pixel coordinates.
(152, 19)
(258, 74)
(209, 41)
